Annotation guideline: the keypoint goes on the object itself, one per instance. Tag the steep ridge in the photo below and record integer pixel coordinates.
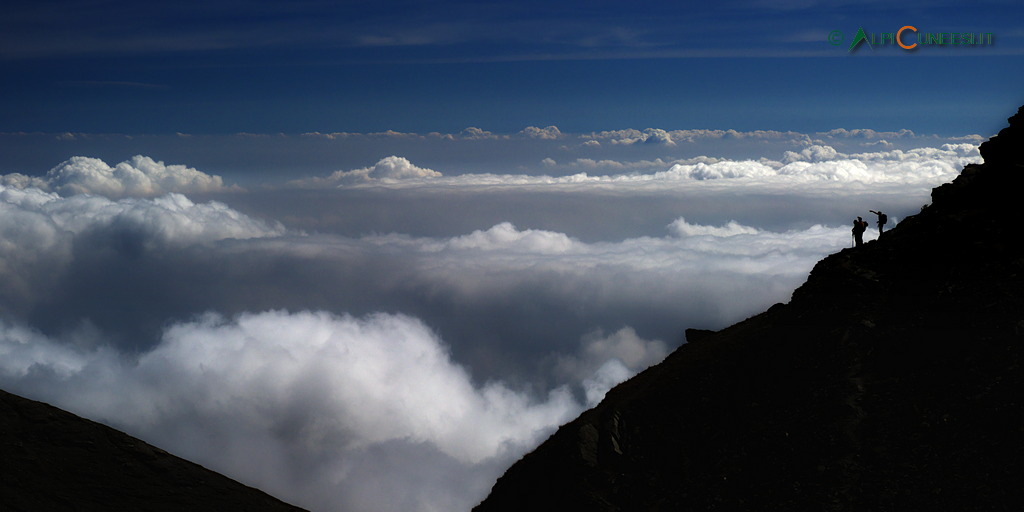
(890, 381)
(53, 460)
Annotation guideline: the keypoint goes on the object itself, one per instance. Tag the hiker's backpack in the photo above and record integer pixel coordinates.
(882, 219)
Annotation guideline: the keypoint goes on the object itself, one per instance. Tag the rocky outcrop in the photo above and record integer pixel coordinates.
(1004, 148)
(890, 381)
(53, 460)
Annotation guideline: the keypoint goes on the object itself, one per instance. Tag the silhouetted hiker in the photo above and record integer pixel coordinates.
(859, 226)
(882, 219)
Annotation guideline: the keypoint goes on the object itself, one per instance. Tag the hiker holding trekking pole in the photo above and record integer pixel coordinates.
(859, 226)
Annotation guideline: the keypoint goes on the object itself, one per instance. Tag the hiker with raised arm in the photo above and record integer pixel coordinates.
(882, 219)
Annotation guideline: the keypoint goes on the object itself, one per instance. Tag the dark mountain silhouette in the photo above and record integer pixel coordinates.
(891, 381)
(52, 460)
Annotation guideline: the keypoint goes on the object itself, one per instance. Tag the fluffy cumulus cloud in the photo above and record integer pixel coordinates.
(172, 218)
(388, 170)
(927, 165)
(716, 170)
(139, 177)
(550, 132)
(682, 228)
(505, 237)
(632, 136)
(821, 163)
(41, 233)
(813, 153)
(314, 391)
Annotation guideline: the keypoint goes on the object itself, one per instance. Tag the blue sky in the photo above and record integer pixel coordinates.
(267, 67)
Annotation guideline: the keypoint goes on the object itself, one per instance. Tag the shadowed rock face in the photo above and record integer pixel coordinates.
(1004, 148)
(890, 381)
(53, 460)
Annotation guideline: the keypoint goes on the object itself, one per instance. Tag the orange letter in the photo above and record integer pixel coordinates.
(900, 41)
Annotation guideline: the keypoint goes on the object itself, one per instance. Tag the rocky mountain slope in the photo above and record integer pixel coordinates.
(53, 460)
(890, 381)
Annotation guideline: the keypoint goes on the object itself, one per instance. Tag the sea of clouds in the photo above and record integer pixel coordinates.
(391, 336)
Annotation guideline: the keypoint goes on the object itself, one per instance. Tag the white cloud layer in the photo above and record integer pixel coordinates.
(139, 177)
(262, 351)
(38, 233)
(279, 158)
(172, 218)
(315, 392)
(815, 165)
(684, 229)
(337, 412)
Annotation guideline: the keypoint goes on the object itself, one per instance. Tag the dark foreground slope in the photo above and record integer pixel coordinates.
(890, 382)
(53, 460)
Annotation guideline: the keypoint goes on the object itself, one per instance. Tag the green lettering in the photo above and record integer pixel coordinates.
(858, 38)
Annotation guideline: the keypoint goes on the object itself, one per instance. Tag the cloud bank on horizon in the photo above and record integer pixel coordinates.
(139, 177)
(813, 164)
(393, 334)
(312, 160)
